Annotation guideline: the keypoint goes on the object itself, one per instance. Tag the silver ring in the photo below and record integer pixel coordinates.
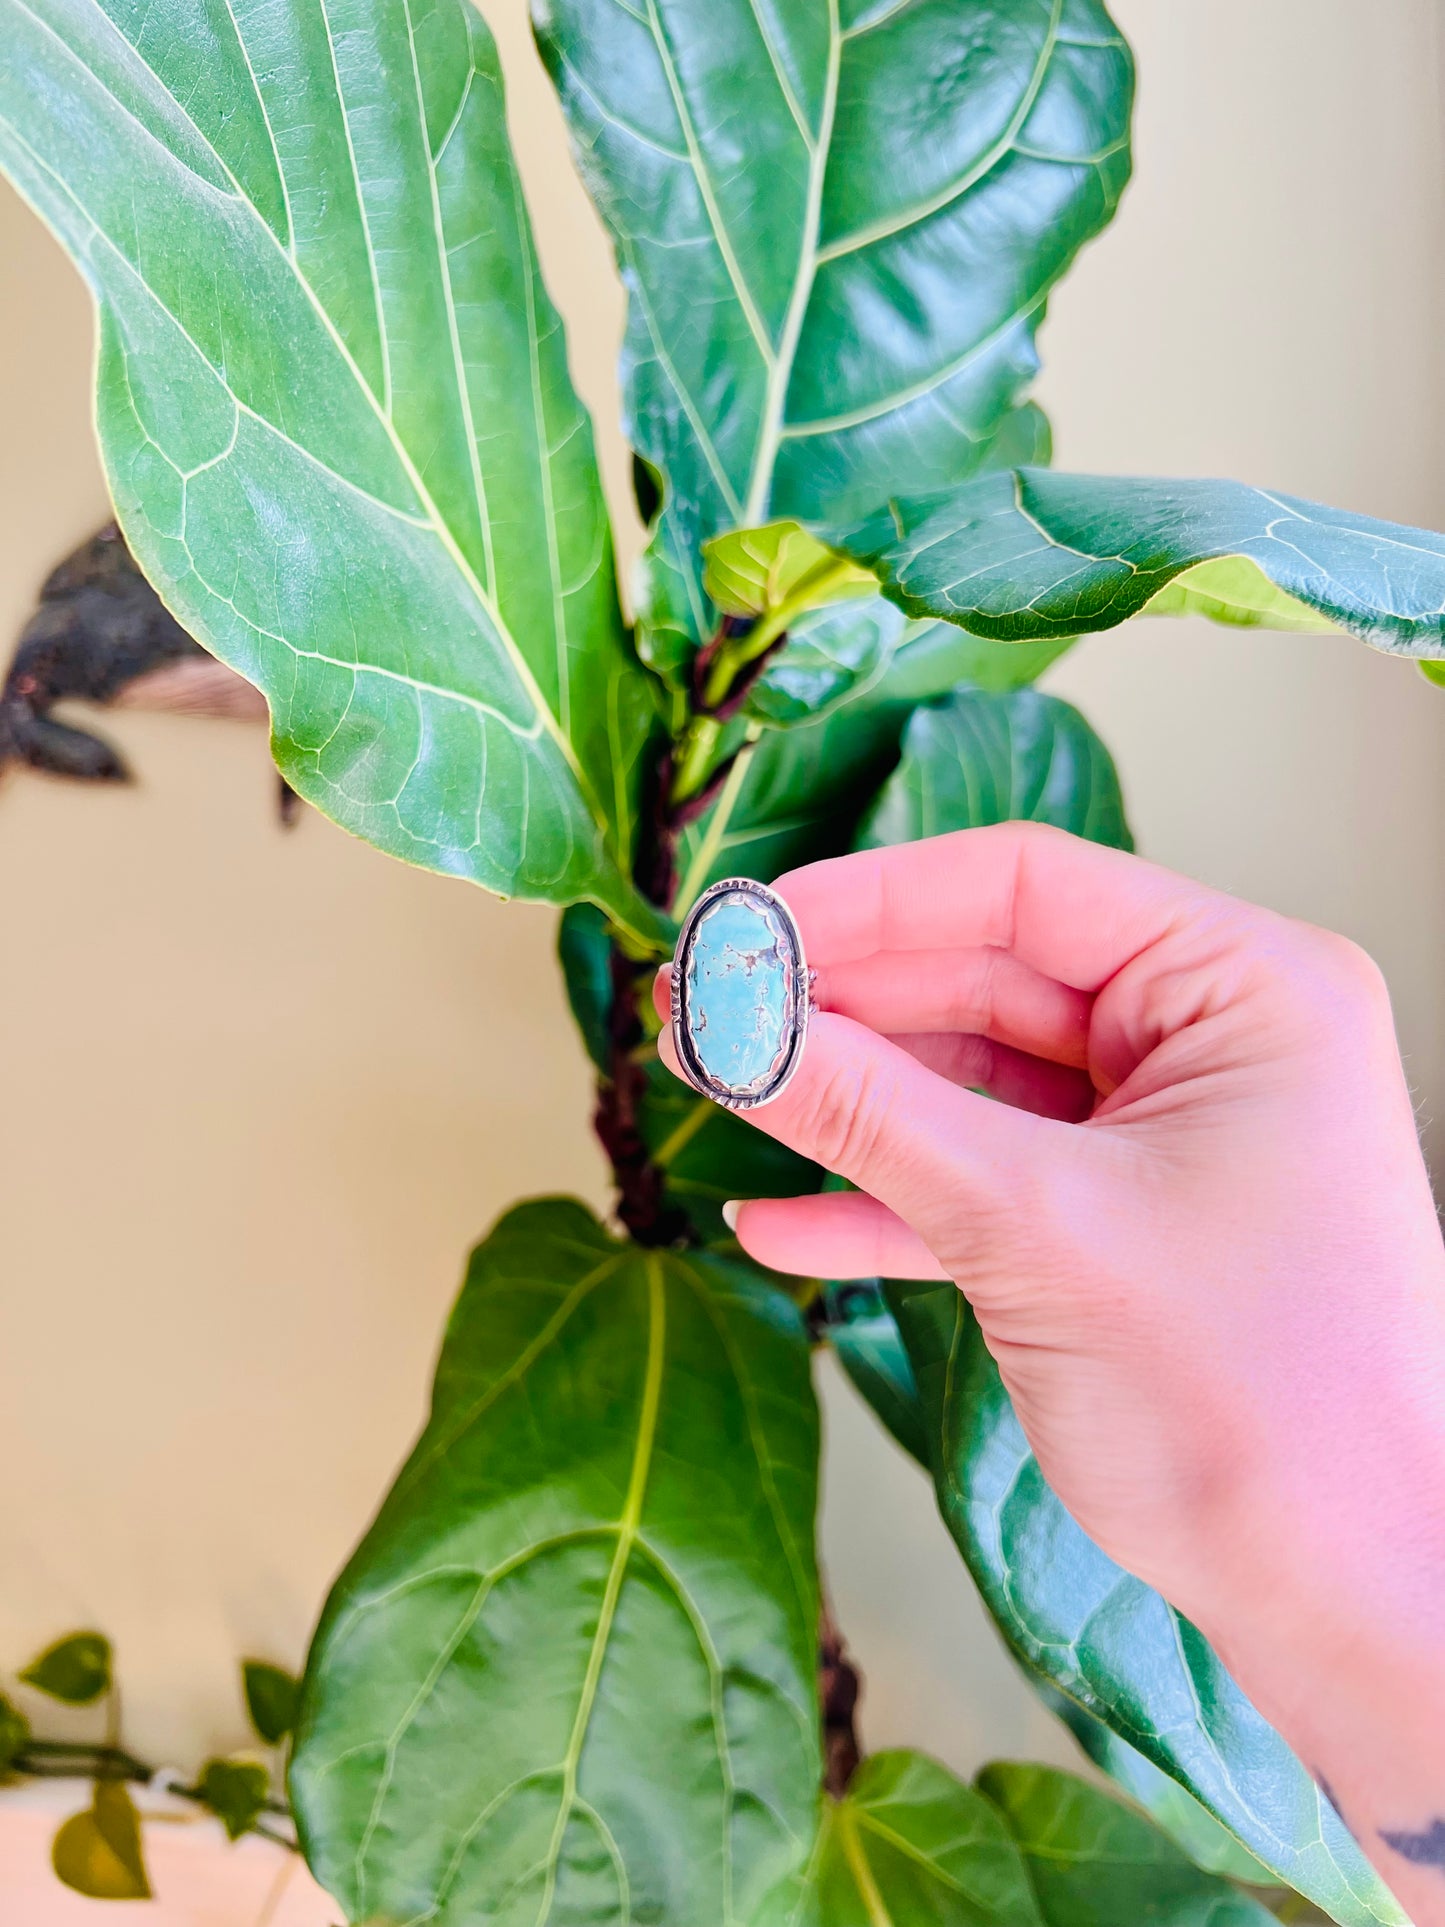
(742, 994)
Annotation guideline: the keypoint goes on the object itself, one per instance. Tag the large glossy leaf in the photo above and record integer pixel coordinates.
(838, 222)
(980, 757)
(1103, 1638)
(569, 1674)
(1178, 1813)
(335, 412)
(1034, 554)
(1093, 1863)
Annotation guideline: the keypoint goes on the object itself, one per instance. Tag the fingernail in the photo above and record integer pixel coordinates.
(730, 1213)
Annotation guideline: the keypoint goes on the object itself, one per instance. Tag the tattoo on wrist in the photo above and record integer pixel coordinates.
(1425, 1849)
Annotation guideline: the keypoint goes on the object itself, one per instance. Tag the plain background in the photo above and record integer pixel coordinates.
(260, 1091)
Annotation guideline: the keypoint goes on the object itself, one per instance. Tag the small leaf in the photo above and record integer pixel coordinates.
(1434, 672)
(98, 1853)
(14, 1735)
(271, 1694)
(754, 572)
(1094, 1863)
(75, 1669)
(235, 1791)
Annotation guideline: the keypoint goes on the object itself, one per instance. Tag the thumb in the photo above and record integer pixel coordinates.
(862, 1107)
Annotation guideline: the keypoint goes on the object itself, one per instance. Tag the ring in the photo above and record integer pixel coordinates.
(742, 994)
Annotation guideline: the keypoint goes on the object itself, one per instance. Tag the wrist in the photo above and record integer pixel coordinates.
(1333, 1607)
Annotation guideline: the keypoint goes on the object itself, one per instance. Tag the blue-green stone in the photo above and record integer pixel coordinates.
(738, 1004)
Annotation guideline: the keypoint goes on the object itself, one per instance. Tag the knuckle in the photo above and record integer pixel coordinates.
(846, 1122)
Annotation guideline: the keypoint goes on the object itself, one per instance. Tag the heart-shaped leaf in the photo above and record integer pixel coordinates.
(98, 1853)
(978, 758)
(839, 221)
(1034, 554)
(570, 1673)
(236, 1792)
(1106, 1640)
(335, 412)
(270, 1699)
(76, 1669)
(14, 1735)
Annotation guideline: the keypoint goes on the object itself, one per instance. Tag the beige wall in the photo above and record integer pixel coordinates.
(259, 1091)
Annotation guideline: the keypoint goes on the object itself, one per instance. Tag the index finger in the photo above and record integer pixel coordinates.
(1073, 910)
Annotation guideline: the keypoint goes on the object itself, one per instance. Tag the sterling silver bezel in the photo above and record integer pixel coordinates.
(798, 992)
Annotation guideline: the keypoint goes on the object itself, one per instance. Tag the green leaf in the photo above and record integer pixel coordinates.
(584, 950)
(912, 1846)
(1176, 1812)
(236, 1792)
(1106, 1640)
(98, 1853)
(76, 1669)
(780, 568)
(865, 1338)
(1093, 1863)
(839, 223)
(1034, 554)
(14, 1735)
(336, 417)
(270, 1699)
(980, 758)
(1434, 672)
(571, 1668)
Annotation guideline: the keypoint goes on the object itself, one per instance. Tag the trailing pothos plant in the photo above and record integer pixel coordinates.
(571, 1674)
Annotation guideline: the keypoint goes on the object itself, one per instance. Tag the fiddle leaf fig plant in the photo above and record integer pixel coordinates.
(577, 1670)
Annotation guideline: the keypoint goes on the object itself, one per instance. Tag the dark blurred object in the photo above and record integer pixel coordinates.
(102, 635)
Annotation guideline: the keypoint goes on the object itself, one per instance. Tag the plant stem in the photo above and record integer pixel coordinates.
(838, 1686)
(75, 1760)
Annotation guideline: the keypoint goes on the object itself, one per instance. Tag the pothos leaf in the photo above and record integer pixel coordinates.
(979, 758)
(14, 1735)
(335, 412)
(76, 1669)
(270, 1699)
(235, 1791)
(1036, 554)
(98, 1853)
(1105, 1639)
(570, 1671)
(838, 222)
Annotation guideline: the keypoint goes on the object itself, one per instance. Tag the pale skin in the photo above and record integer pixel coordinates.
(1198, 1235)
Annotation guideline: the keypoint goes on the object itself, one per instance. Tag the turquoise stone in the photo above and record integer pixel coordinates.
(739, 992)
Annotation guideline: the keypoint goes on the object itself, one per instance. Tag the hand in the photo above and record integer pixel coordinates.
(1197, 1233)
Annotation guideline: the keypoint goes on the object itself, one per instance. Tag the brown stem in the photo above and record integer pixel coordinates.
(838, 1690)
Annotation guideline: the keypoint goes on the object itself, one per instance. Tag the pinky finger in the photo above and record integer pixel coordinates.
(834, 1234)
